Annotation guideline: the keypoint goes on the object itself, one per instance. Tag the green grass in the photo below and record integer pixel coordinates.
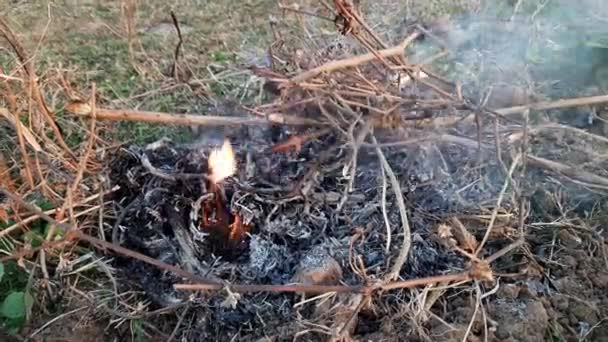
(138, 333)
(15, 297)
(15, 301)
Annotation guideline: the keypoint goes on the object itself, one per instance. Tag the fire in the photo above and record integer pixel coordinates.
(222, 163)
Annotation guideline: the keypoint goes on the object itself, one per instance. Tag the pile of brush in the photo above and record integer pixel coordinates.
(364, 174)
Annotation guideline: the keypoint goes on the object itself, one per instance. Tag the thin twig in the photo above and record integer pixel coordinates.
(47, 324)
(387, 222)
(179, 323)
(145, 162)
(497, 207)
(79, 174)
(354, 61)
(174, 67)
(407, 239)
(463, 276)
(21, 137)
(516, 244)
(477, 304)
(72, 232)
(559, 104)
(504, 113)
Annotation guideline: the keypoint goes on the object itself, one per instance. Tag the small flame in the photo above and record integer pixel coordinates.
(222, 163)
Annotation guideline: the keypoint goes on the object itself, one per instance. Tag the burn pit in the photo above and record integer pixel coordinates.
(296, 222)
(289, 203)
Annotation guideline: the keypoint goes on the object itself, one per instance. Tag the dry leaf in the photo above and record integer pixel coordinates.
(481, 270)
(466, 240)
(5, 177)
(79, 107)
(29, 137)
(4, 217)
(444, 231)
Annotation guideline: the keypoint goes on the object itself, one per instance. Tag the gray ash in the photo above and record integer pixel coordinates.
(292, 202)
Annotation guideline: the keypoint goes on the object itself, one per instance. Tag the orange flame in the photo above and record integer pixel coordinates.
(222, 163)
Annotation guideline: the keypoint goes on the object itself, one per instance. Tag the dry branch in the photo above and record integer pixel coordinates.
(587, 178)
(354, 61)
(192, 119)
(23, 134)
(564, 103)
(324, 289)
(505, 113)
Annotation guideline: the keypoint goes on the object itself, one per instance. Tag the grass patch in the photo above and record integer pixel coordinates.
(15, 302)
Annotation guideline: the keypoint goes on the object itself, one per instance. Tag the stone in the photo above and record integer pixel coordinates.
(317, 267)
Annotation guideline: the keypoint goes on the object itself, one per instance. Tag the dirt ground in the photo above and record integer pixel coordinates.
(292, 204)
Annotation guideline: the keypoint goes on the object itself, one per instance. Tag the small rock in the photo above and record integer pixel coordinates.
(522, 321)
(533, 288)
(318, 268)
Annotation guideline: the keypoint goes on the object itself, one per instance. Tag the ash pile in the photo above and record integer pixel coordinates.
(374, 170)
(288, 214)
